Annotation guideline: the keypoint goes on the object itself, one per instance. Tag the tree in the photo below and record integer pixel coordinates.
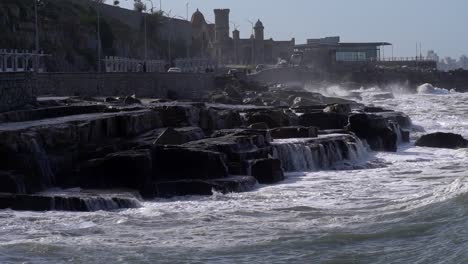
(139, 6)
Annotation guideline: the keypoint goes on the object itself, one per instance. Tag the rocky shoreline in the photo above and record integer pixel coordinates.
(239, 137)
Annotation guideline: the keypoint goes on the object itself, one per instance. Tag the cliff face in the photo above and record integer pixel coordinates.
(68, 32)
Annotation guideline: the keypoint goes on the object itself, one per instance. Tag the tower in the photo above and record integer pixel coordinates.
(235, 41)
(221, 25)
(259, 42)
(259, 31)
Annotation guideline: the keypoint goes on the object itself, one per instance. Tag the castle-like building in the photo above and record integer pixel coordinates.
(214, 41)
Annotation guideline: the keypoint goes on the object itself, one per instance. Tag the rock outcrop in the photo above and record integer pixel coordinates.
(442, 140)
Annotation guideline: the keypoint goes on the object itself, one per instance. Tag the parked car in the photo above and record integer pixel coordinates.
(174, 70)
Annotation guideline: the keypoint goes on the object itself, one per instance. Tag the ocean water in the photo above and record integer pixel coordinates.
(411, 208)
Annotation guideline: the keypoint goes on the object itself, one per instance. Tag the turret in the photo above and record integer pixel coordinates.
(236, 34)
(259, 30)
(221, 25)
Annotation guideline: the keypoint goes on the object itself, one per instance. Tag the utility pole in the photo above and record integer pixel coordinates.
(187, 7)
(36, 57)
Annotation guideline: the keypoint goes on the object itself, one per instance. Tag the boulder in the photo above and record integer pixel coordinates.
(233, 92)
(204, 187)
(343, 109)
(128, 169)
(261, 125)
(294, 132)
(442, 140)
(69, 202)
(129, 100)
(324, 120)
(376, 130)
(166, 136)
(179, 115)
(273, 118)
(301, 102)
(170, 137)
(172, 163)
(267, 171)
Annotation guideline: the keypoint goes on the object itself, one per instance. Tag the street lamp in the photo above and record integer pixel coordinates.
(146, 31)
(98, 6)
(253, 43)
(36, 28)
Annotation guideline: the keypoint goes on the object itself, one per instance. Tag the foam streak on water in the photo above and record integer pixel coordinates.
(412, 210)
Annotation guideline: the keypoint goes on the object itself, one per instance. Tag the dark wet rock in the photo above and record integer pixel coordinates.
(267, 171)
(112, 100)
(129, 100)
(172, 163)
(324, 120)
(179, 115)
(273, 118)
(333, 131)
(69, 202)
(233, 92)
(129, 169)
(181, 135)
(374, 109)
(343, 109)
(376, 130)
(442, 140)
(170, 137)
(294, 132)
(11, 182)
(405, 135)
(261, 125)
(204, 187)
(400, 118)
(302, 102)
(224, 98)
(214, 119)
(52, 112)
(264, 140)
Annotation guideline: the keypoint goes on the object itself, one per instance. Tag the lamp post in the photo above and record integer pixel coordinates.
(36, 29)
(146, 30)
(98, 3)
(253, 43)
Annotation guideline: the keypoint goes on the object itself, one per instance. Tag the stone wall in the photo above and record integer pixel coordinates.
(16, 90)
(185, 85)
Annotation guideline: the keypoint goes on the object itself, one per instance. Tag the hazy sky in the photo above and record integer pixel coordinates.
(441, 25)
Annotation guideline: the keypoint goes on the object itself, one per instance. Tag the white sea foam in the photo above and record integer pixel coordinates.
(428, 88)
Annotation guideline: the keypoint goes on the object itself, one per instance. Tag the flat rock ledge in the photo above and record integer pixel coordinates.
(163, 148)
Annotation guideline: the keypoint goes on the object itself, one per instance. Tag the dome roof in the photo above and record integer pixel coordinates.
(198, 19)
(259, 24)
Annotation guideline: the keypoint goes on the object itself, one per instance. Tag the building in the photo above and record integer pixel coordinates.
(330, 51)
(214, 41)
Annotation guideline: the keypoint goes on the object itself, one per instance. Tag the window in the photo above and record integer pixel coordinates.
(350, 56)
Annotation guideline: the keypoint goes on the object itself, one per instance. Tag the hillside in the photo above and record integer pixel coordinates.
(68, 32)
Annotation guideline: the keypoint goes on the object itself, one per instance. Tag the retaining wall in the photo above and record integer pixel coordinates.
(16, 90)
(185, 85)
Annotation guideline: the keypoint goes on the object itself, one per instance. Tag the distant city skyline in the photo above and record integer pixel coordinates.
(437, 25)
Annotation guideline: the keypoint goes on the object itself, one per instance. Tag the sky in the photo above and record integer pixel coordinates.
(440, 25)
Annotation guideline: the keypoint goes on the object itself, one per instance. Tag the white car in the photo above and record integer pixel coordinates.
(174, 70)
